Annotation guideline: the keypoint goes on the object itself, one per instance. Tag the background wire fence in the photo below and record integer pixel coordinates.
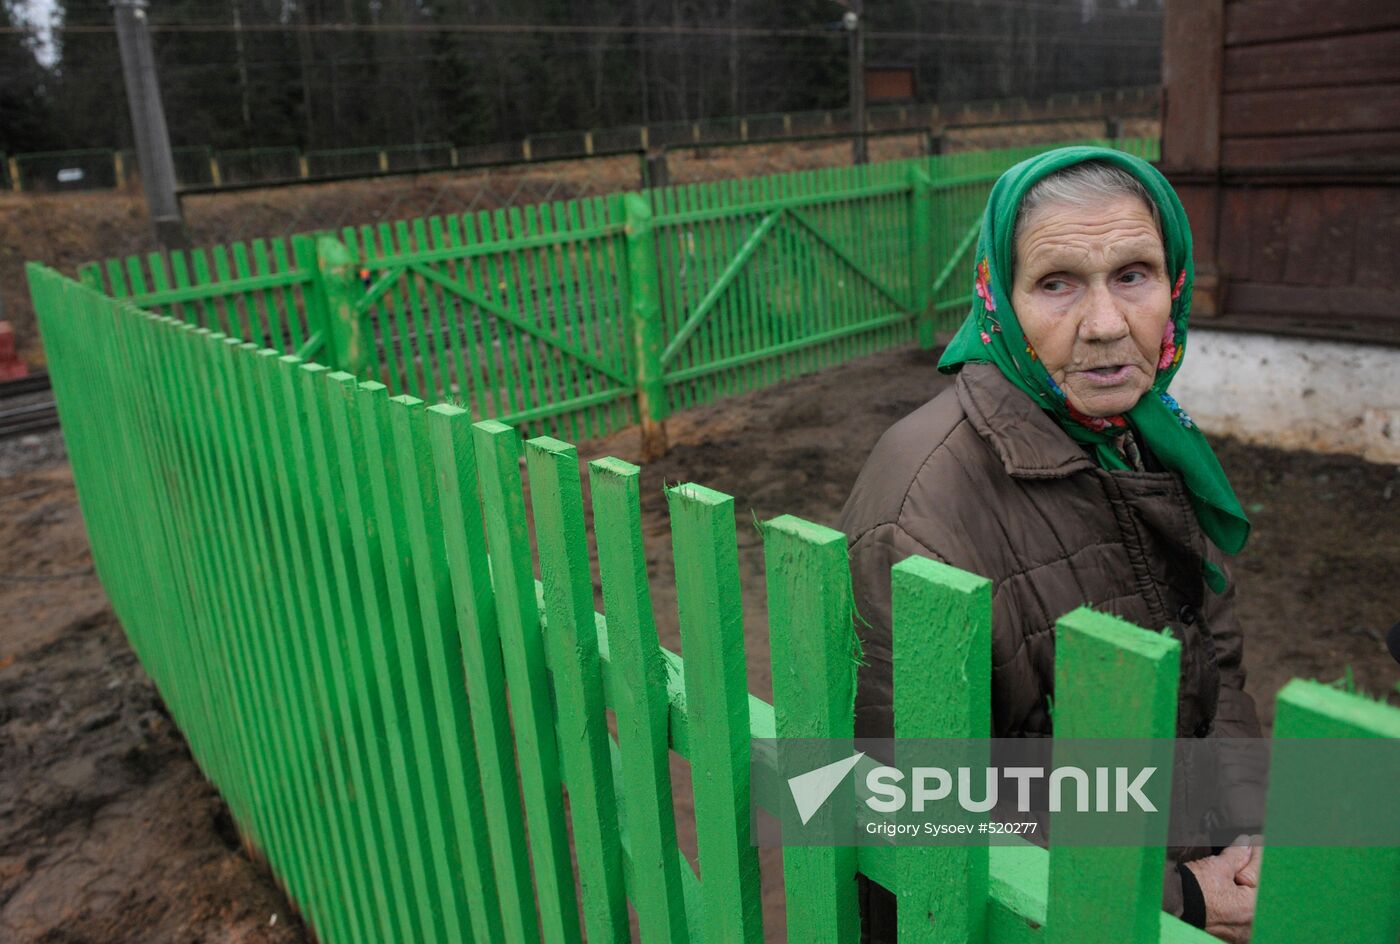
(202, 165)
(66, 230)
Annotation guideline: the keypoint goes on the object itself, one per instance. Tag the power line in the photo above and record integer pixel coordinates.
(480, 28)
(722, 32)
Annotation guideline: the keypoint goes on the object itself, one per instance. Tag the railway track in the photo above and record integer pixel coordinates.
(26, 406)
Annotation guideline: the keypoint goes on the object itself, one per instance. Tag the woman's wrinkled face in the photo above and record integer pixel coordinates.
(1093, 296)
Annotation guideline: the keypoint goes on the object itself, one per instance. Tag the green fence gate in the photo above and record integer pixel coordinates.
(581, 317)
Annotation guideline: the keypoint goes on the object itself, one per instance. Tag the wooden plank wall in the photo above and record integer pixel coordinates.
(1282, 132)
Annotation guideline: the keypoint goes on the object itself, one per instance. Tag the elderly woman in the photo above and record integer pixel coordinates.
(1058, 466)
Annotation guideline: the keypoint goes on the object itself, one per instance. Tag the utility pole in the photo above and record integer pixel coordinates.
(148, 123)
(855, 32)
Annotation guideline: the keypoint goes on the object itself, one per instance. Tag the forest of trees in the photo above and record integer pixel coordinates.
(343, 73)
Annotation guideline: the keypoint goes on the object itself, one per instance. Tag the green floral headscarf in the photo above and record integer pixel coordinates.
(992, 334)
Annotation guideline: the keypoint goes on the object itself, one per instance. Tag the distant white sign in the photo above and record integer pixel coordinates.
(70, 174)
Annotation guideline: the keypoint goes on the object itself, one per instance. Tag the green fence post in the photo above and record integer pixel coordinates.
(331, 299)
(15, 184)
(921, 253)
(349, 334)
(644, 310)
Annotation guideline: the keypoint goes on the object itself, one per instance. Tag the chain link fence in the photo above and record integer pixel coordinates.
(234, 215)
(66, 229)
(201, 166)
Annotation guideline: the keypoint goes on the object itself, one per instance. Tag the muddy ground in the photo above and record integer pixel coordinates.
(108, 833)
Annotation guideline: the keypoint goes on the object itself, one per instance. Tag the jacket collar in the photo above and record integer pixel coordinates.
(1026, 438)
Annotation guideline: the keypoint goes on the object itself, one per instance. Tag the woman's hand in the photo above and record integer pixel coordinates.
(1229, 883)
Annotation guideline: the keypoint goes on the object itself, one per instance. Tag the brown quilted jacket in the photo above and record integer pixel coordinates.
(982, 479)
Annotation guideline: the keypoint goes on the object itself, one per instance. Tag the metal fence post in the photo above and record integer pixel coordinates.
(921, 253)
(644, 312)
(656, 169)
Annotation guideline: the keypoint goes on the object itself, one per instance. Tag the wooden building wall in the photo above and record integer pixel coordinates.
(1281, 130)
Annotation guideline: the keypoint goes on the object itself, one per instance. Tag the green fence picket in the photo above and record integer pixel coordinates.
(1296, 903)
(345, 645)
(389, 759)
(498, 456)
(557, 501)
(1112, 680)
(454, 455)
(640, 702)
(445, 711)
(717, 703)
(410, 678)
(942, 642)
(814, 653)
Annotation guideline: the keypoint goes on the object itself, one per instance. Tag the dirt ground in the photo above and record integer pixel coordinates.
(109, 835)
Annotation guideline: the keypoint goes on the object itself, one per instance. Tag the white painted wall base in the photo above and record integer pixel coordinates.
(1294, 393)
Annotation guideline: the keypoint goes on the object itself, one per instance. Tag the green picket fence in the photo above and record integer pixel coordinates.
(578, 318)
(335, 593)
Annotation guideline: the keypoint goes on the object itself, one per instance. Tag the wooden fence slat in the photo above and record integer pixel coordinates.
(447, 713)
(297, 606)
(347, 653)
(557, 501)
(390, 761)
(1112, 680)
(640, 702)
(411, 680)
(340, 807)
(1292, 906)
(498, 455)
(942, 642)
(814, 653)
(449, 428)
(717, 703)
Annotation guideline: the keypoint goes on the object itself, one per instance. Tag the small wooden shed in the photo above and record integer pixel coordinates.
(1281, 131)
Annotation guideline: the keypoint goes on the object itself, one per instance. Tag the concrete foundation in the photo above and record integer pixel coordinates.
(1294, 393)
